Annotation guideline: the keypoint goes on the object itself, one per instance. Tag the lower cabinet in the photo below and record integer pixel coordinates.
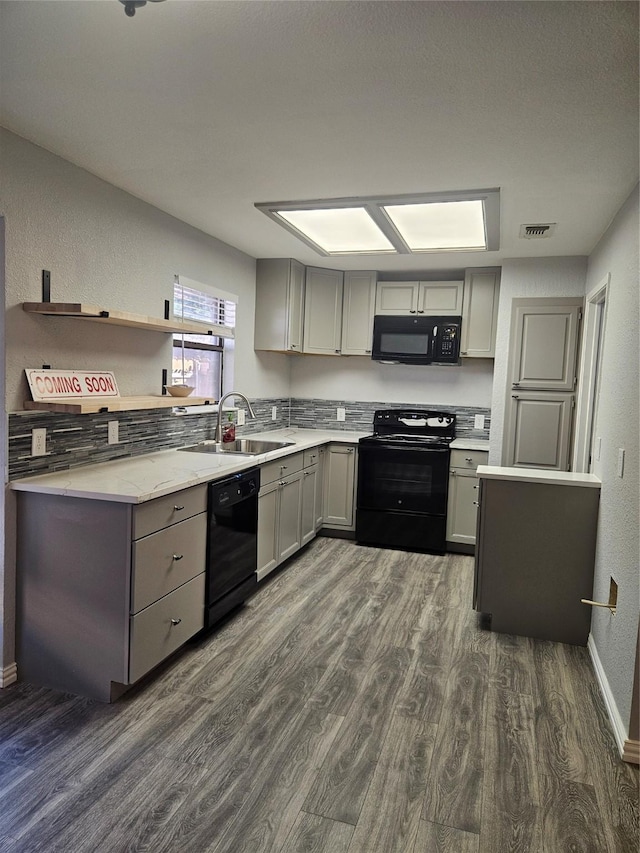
(340, 487)
(107, 590)
(463, 498)
(288, 514)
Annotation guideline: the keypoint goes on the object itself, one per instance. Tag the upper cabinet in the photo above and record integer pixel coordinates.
(544, 335)
(358, 304)
(433, 298)
(322, 311)
(480, 312)
(279, 304)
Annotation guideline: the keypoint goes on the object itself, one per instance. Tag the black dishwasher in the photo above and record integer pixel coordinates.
(232, 543)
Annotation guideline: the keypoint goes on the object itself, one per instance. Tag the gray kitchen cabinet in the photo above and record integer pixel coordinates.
(540, 430)
(542, 374)
(419, 297)
(544, 336)
(311, 513)
(535, 556)
(279, 311)
(279, 512)
(358, 305)
(107, 590)
(480, 312)
(462, 499)
(323, 311)
(339, 487)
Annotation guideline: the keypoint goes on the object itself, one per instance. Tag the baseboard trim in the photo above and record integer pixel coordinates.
(8, 675)
(619, 729)
(631, 751)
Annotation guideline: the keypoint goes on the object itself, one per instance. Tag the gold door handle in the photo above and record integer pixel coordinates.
(611, 607)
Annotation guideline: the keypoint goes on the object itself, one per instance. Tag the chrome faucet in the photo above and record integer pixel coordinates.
(252, 414)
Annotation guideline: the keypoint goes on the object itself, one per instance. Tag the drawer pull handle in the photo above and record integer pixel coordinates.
(468, 459)
(176, 621)
(476, 503)
(178, 508)
(282, 483)
(177, 557)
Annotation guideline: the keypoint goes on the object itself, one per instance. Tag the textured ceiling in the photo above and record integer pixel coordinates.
(204, 108)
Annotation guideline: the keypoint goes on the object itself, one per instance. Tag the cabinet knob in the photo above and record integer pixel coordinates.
(282, 483)
(176, 621)
(452, 472)
(350, 450)
(516, 384)
(368, 351)
(294, 346)
(337, 351)
(283, 467)
(177, 557)
(515, 396)
(468, 459)
(178, 508)
(476, 503)
(307, 473)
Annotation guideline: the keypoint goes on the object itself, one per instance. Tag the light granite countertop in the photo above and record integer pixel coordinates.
(538, 475)
(141, 478)
(470, 444)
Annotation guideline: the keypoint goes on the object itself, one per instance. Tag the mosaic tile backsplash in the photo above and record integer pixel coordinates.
(75, 440)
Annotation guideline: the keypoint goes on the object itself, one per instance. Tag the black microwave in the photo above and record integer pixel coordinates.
(416, 340)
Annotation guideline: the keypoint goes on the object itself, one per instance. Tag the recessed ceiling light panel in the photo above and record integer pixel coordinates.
(343, 230)
(440, 226)
(457, 221)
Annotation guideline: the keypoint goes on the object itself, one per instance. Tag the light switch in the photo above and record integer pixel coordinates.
(620, 462)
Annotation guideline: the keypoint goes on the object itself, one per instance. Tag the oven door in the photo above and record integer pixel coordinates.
(403, 479)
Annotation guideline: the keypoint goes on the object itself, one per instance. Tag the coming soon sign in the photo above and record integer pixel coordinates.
(54, 384)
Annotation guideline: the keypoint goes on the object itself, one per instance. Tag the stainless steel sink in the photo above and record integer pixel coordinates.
(239, 447)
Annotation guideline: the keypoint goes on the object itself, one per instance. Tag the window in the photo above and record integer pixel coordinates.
(199, 360)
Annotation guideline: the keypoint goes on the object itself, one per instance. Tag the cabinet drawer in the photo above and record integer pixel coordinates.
(167, 559)
(163, 627)
(169, 509)
(280, 468)
(311, 456)
(469, 458)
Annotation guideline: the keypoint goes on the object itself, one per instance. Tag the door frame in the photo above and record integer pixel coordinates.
(590, 364)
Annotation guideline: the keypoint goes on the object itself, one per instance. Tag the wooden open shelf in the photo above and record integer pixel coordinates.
(83, 311)
(91, 405)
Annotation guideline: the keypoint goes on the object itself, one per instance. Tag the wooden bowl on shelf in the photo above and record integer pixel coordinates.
(179, 390)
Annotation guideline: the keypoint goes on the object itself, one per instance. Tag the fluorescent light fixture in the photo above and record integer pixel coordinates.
(342, 230)
(445, 226)
(457, 221)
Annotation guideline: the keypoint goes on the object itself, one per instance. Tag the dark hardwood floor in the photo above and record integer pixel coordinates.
(354, 705)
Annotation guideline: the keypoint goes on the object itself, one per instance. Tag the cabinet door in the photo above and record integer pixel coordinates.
(480, 313)
(462, 509)
(357, 312)
(268, 529)
(539, 430)
(309, 496)
(440, 297)
(397, 297)
(289, 521)
(544, 344)
(279, 305)
(322, 452)
(295, 307)
(339, 486)
(323, 311)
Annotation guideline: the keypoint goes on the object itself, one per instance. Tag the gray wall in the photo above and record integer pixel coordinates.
(617, 419)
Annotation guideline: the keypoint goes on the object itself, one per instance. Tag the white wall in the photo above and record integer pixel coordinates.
(359, 379)
(106, 247)
(528, 277)
(617, 420)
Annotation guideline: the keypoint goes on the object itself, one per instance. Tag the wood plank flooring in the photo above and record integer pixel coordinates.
(354, 705)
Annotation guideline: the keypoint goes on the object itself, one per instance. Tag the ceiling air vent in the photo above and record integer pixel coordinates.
(537, 232)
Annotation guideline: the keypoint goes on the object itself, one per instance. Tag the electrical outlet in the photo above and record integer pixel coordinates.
(113, 436)
(274, 413)
(478, 422)
(39, 442)
(240, 417)
(340, 413)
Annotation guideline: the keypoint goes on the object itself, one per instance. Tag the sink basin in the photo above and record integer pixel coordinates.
(239, 447)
